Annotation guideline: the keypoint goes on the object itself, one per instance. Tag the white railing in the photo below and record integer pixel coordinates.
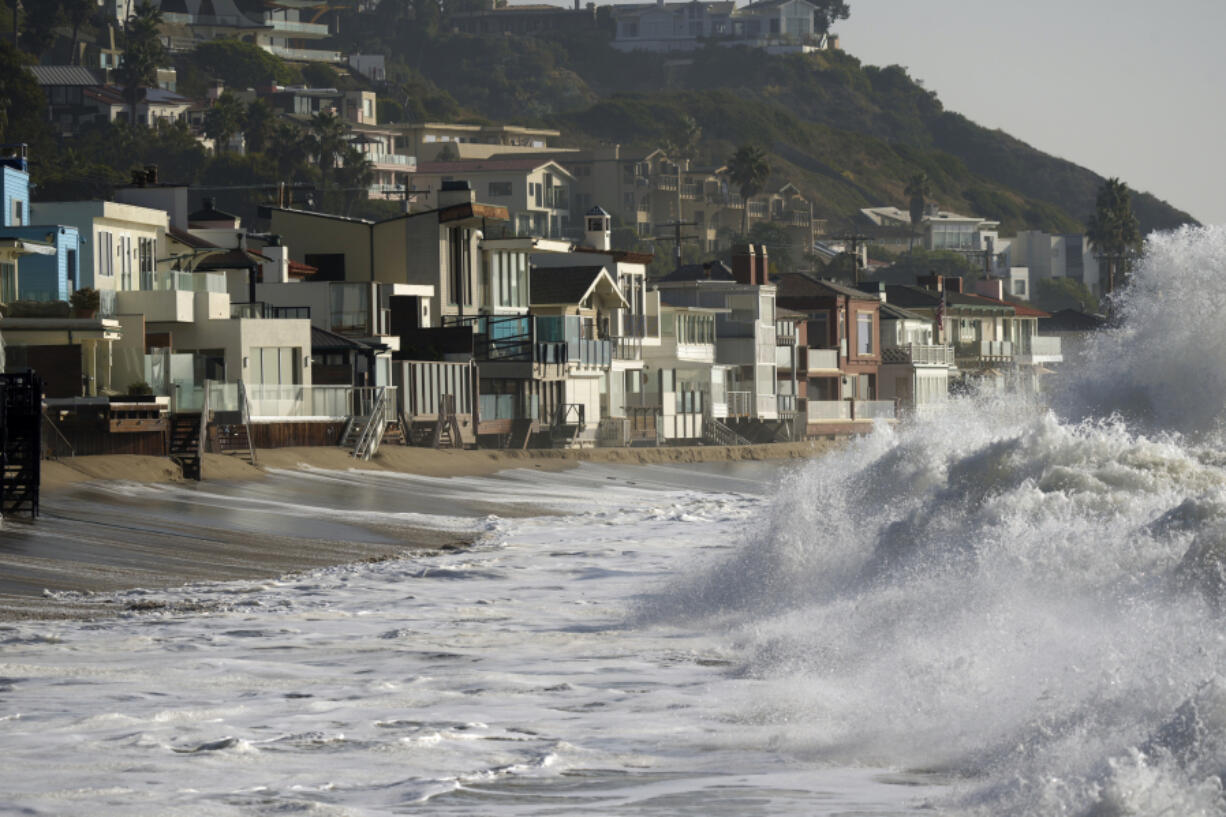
(873, 410)
(177, 280)
(303, 54)
(1045, 346)
(824, 411)
(299, 28)
(921, 355)
(740, 404)
(317, 402)
(398, 159)
(827, 359)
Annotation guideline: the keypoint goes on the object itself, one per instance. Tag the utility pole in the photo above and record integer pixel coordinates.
(677, 237)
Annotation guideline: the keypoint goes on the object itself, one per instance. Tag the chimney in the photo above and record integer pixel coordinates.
(743, 263)
(763, 276)
(953, 284)
(276, 269)
(931, 281)
(455, 192)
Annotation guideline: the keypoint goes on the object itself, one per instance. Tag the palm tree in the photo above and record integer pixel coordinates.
(748, 170)
(223, 120)
(326, 142)
(142, 53)
(1113, 230)
(917, 190)
(77, 12)
(354, 176)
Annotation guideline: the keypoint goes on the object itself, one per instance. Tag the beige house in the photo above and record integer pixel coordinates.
(651, 192)
(535, 191)
(434, 141)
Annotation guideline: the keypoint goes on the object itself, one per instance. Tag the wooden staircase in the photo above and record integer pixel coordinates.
(447, 429)
(185, 443)
(364, 433)
(716, 432)
(235, 439)
(21, 423)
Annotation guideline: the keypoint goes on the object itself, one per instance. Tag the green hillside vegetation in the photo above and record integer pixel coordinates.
(846, 134)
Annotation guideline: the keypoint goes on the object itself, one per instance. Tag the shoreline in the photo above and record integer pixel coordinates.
(93, 544)
(59, 475)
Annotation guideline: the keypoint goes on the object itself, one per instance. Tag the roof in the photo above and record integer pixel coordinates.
(63, 75)
(915, 297)
(889, 310)
(564, 285)
(487, 166)
(625, 256)
(797, 285)
(323, 340)
(209, 212)
(1072, 320)
(597, 210)
(230, 259)
(184, 237)
(717, 7)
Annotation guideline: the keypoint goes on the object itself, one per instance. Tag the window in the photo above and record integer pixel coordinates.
(105, 261)
(499, 189)
(1019, 287)
(351, 309)
(864, 333)
(276, 365)
(19, 213)
(125, 262)
(8, 283)
(146, 263)
(509, 275)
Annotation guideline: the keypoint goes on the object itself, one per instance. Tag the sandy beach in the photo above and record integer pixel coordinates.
(118, 522)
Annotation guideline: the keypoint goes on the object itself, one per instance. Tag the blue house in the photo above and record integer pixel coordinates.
(42, 261)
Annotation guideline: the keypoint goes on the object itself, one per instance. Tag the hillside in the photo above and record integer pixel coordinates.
(847, 134)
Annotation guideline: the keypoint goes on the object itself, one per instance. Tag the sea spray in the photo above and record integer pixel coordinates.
(1026, 597)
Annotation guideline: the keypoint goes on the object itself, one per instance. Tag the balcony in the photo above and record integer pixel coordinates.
(984, 353)
(918, 355)
(739, 403)
(297, 29)
(828, 411)
(1040, 350)
(393, 161)
(627, 348)
(177, 297)
(872, 410)
(664, 182)
(261, 310)
(303, 54)
(823, 360)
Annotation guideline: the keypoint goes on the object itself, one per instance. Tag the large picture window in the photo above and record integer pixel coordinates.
(276, 365)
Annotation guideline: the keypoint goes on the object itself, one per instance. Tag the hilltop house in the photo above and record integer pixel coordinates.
(535, 191)
(777, 26)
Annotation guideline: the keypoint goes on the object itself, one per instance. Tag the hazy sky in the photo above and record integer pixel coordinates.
(1124, 87)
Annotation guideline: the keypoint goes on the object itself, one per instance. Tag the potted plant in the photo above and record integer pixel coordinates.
(85, 302)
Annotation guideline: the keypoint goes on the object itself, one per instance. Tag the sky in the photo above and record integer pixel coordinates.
(1123, 87)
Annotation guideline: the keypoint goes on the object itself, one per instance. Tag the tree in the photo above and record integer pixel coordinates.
(23, 107)
(748, 170)
(828, 11)
(1113, 230)
(77, 12)
(917, 190)
(290, 151)
(142, 53)
(240, 65)
(354, 176)
(326, 142)
(257, 128)
(223, 120)
(38, 27)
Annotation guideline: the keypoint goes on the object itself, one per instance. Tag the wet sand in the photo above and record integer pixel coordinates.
(119, 522)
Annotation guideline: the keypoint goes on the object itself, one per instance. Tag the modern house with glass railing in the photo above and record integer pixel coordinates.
(915, 371)
(746, 336)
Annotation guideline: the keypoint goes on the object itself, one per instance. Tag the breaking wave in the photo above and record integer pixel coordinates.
(1025, 596)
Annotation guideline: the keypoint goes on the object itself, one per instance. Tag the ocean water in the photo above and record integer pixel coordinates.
(1014, 608)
